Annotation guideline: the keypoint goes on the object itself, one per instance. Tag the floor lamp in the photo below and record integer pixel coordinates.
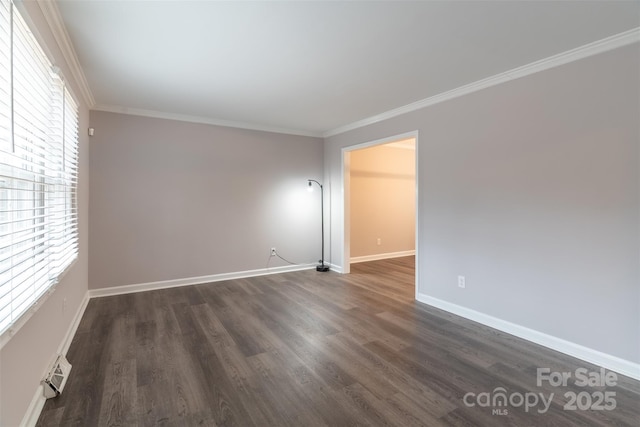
(322, 266)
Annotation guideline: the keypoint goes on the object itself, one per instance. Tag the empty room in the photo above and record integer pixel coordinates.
(319, 213)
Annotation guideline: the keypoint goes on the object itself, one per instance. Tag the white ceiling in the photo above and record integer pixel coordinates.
(313, 66)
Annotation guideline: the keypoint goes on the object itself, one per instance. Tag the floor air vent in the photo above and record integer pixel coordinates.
(57, 377)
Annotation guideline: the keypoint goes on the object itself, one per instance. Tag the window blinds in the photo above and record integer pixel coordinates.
(38, 170)
(5, 76)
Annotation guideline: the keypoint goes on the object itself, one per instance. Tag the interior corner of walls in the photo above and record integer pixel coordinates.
(174, 283)
(336, 268)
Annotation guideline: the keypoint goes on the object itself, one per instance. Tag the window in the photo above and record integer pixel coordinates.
(38, 170)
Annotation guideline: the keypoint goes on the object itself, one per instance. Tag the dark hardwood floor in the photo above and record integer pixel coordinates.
(312, 349)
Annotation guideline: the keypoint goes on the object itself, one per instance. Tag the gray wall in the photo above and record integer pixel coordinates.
(25, 358)
(174, 200)
(530, 189)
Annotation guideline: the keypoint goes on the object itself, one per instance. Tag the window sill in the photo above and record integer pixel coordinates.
(6, 336)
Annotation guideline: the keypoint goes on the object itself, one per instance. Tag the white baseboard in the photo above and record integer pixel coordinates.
(71, 332)
(613, 363)
(596, 357)
(164, 284)
(37, 402)
(377, 257)
(335, 268)
(30, 418)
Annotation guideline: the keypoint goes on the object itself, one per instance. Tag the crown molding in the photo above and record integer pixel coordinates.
(53, 17)
(600, 46)
(202, 120)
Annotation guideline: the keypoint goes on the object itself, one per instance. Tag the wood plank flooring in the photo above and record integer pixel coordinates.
(312, 349)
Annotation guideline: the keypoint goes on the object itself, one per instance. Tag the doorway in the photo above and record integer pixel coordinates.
(380, 200)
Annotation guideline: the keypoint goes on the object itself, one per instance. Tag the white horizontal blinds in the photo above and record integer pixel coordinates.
(38, 234)
(24, 260)
(71, 161)
(55, 156)
(5, 75)
(5, 144)
(65, 230)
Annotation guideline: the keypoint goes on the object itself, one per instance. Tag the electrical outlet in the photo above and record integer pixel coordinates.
(273, 251)
(64, 304)
(379, 241)
(461, 282)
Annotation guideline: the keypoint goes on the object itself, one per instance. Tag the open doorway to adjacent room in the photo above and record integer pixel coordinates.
(380, 203)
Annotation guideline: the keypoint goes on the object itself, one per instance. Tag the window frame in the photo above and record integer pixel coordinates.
(39, 161)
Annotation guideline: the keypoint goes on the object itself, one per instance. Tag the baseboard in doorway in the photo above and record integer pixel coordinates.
(377, 257)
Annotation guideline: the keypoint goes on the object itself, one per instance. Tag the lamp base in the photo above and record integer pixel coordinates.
(322, 267)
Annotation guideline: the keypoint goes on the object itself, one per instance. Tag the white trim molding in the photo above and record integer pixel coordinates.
(600, 46)
(37, 402)
(34, 409)
(335, 268)
(201, 120)
(164, 284)
(53, 17)
(345, 177)
(377, 257)
(71, 332)
(613, 363)
(6, 336)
